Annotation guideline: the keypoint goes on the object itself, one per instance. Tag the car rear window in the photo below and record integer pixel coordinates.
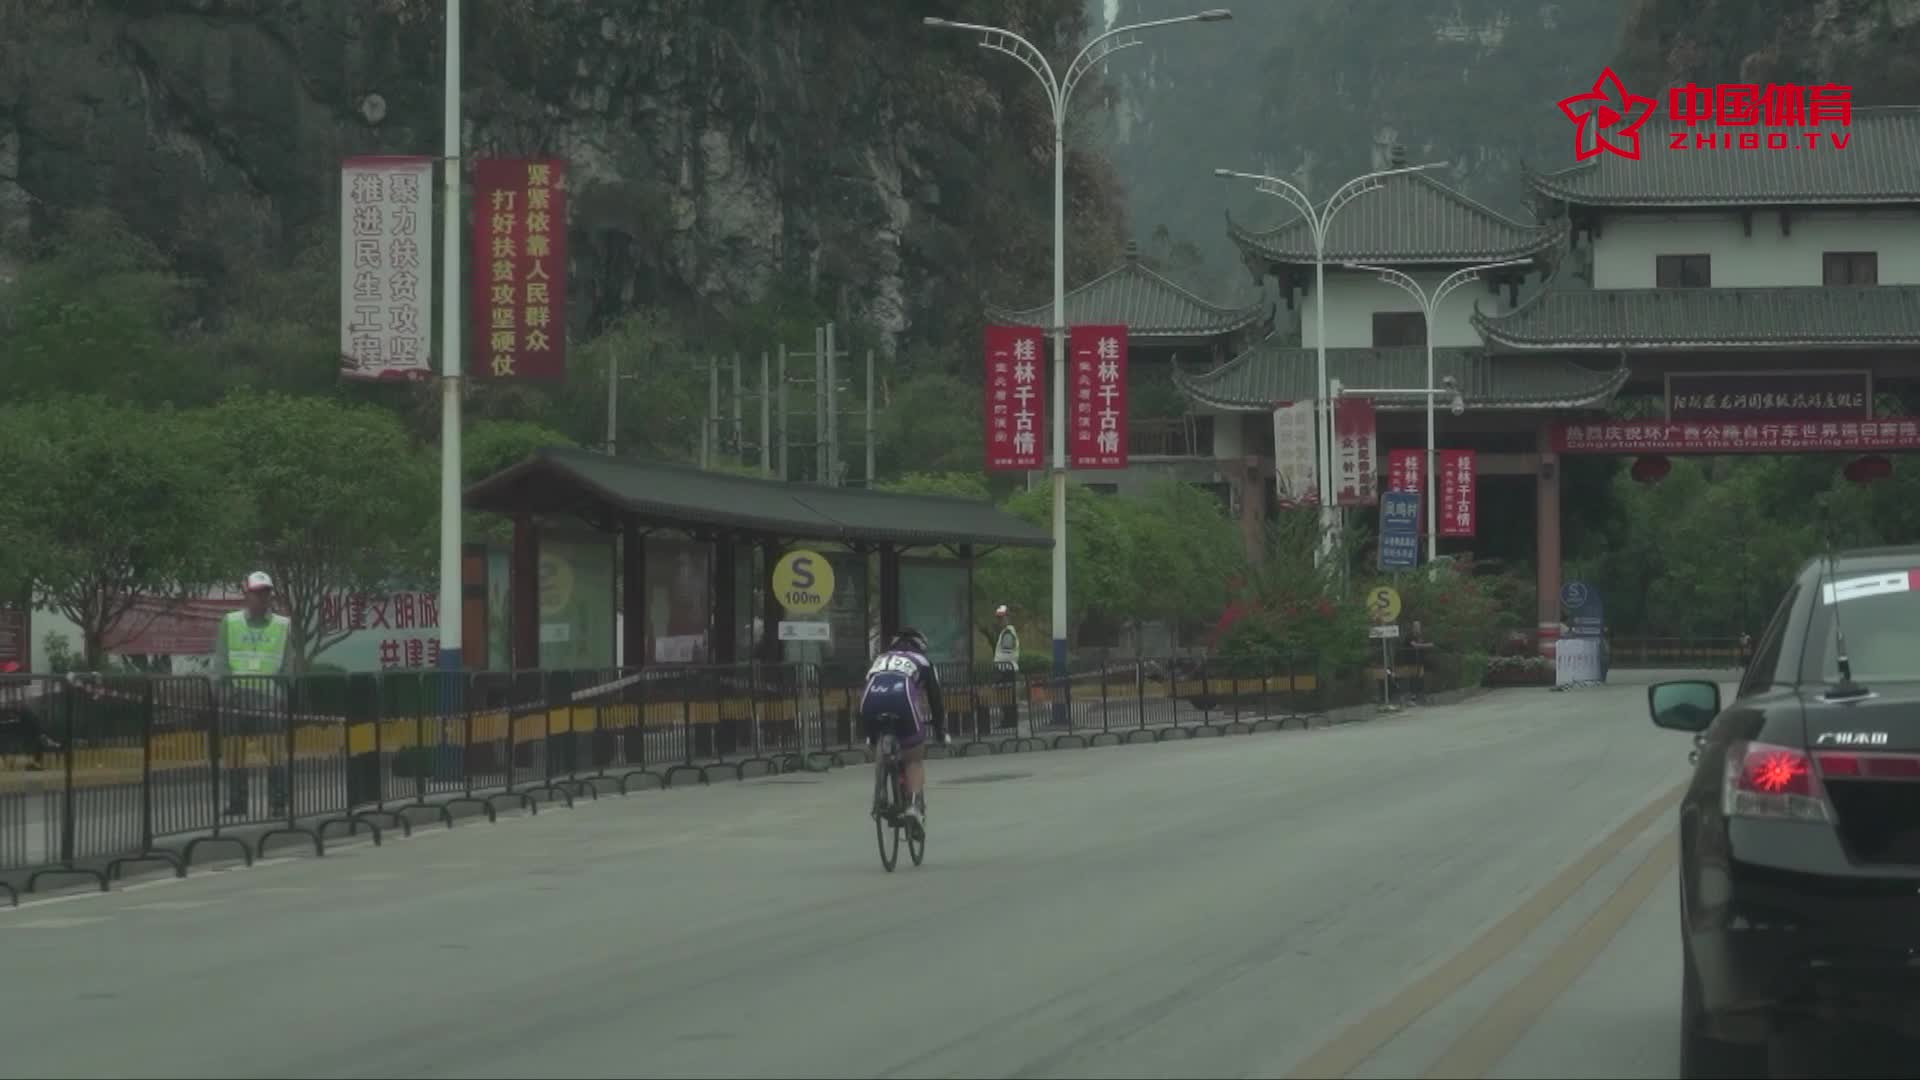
(1880, 615)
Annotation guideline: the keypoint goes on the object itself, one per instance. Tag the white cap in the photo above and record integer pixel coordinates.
(1001, 610)
(259, 580)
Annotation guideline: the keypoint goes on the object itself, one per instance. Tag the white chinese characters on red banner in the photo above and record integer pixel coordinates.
(1097, 411)
(1353, 424)
(1403, 474)
(1016, 398)
(1771, 437)
(1457, 494)
(402, 613)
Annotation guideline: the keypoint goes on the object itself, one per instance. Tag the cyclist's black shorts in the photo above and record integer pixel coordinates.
(882, 713)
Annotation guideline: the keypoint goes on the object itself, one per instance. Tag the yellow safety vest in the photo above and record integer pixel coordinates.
(255, 650)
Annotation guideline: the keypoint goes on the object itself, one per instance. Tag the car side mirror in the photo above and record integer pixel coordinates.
(1688, 705)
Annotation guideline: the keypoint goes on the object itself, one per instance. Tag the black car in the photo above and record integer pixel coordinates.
(1800, 834)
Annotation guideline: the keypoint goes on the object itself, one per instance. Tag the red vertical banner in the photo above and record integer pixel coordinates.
(1404, 472)
(1016, 398)
(1097, 411)
(1457, 493)
(520, 269)
(1356, 438)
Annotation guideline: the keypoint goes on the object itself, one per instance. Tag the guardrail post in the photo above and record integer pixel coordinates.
(68, 841)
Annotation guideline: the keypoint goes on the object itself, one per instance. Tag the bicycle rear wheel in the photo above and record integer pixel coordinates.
(885, 813)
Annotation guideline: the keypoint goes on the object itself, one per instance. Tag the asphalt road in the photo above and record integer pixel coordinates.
(1483, 889)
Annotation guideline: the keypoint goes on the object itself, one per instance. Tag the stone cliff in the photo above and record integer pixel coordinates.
(1872, 45)
(896, 175)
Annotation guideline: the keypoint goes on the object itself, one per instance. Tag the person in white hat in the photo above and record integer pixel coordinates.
(249, 654)
(1006, 668)
(1006, 643)
(253, 640)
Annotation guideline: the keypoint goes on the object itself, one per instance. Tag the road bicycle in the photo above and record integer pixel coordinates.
(890, 805)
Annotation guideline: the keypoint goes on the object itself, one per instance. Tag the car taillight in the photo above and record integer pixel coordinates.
(1767, 781)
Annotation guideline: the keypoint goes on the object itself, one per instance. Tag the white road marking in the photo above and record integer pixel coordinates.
(55, 922)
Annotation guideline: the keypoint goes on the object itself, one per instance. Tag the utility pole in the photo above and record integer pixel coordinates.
(739, 432)
(869, 473)
(766, 431)
(784, 417)
(832, 399)
(713, 413)
(613, 398)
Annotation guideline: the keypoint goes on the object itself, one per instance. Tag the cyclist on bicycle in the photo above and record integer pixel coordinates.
(904, 690)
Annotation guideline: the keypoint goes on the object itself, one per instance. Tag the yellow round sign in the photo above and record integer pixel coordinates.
(803, 582)
(1383, 605)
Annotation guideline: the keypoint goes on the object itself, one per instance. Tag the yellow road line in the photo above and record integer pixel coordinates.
(1363, 1039)
(1483, 1046)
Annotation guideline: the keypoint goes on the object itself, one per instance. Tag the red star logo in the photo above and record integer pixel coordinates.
(1594, 112)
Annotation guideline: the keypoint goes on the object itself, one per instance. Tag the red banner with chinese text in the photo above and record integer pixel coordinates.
(520, 269)
(1404, 469)
(1356, 438)
(1097, 411)
(1457, 493)
(1733, 437)
(1016, 398)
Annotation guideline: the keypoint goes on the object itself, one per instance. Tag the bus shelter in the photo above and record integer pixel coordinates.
(729, 515)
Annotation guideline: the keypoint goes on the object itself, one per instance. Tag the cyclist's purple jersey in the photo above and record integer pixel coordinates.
(897, 682)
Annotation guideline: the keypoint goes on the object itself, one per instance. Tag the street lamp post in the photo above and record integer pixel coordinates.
(451, 621)
(1319, 220)
(1059, 90)
(1430, 303)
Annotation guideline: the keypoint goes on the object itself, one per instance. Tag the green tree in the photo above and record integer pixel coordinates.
(343, 501)
(103, 504)
(931, 423)
(98, 313)
(1186, 552)
(493, 446)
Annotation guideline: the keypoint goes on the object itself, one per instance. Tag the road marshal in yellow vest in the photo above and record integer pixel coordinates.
(253, 640)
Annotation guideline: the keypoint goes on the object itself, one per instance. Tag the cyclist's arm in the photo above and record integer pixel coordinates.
(933, 699)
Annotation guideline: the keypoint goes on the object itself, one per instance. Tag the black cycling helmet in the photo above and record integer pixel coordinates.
(909, 638)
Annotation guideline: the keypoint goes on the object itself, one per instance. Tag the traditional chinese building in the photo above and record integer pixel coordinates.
(1761, 299)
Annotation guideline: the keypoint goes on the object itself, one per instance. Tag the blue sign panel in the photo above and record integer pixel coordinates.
(1399, 530)
(1586, 616)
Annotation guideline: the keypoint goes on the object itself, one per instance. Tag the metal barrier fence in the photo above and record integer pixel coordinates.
(102, 772)
(1665, 652)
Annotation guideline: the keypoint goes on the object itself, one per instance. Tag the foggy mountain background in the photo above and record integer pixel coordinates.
(1316, 91)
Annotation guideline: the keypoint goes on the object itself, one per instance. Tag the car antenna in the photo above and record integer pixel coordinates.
(1846, 688)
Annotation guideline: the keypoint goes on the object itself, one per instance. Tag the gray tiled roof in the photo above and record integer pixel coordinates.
(1786, 316)
(1880, 164)
(1148, 304)
(558, 481)
(1270, 374)
(1411, 218)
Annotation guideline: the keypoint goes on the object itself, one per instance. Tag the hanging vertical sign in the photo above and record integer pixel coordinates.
(1016, 398)
(520, 269)
(1355, 439)
(1457, 493)
(386, 267)
(1293, 460)
(1404, 473)
(1097, 411)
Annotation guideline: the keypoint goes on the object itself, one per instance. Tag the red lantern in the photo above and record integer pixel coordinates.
(1651, 469)
(1869, 467)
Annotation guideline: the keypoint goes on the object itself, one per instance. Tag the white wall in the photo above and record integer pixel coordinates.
(1229, 435)
(1353, 298)
(1623, 253)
